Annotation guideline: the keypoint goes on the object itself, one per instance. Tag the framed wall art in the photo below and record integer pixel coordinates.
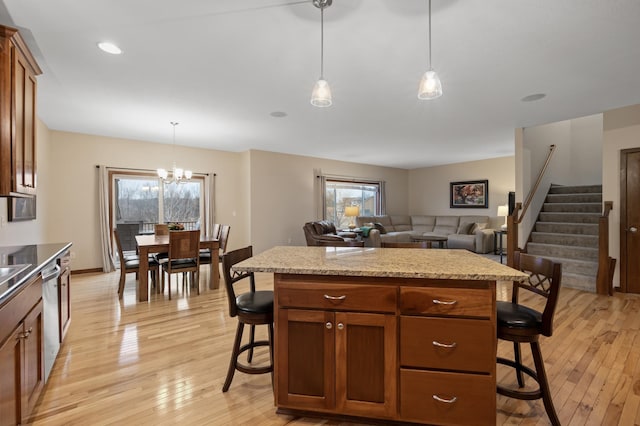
(469, 194)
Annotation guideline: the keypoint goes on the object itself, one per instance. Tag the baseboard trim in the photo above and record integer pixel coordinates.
(86, 271)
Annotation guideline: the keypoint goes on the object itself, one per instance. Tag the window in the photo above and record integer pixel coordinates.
(145, 199)
(338, 194)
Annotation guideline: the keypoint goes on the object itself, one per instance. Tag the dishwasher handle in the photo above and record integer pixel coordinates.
(52, 274)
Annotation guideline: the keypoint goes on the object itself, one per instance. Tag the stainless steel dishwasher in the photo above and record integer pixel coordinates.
(50, 275)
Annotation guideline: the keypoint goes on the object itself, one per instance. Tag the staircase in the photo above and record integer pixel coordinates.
(567, 232)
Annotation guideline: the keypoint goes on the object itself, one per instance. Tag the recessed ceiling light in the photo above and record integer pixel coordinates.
(534, 97)
(278, 114)
(105, 46)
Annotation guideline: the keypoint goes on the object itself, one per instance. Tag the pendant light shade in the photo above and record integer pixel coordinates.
(178, 175)
(430, 85)
(321, 94)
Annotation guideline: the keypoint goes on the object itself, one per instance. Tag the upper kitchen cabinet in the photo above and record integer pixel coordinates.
(18, 71)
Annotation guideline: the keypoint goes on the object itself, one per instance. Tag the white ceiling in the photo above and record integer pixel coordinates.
(222, 67)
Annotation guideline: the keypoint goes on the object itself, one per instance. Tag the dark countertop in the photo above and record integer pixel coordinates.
(37, 256)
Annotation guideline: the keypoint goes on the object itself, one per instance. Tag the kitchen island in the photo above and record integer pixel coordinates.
(401, 335)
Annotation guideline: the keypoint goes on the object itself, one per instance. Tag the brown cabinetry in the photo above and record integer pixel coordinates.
(410, 350)
(18, 71)
(337, 353)
(21, 354)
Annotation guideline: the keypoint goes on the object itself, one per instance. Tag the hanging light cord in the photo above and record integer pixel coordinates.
(429, 34)
(322, 42)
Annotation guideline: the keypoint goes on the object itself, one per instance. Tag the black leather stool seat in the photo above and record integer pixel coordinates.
(259, 302)
(511, 315)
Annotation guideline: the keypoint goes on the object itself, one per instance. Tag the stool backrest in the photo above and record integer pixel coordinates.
(545, 277)
(231, 277)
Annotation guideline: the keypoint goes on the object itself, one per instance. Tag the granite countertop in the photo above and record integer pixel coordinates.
(36, 256)
(380, 262)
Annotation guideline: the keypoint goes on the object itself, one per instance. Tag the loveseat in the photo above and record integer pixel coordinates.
(323, 233)
(463, 232)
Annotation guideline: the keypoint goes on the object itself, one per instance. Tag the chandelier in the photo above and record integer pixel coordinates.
(177, 174)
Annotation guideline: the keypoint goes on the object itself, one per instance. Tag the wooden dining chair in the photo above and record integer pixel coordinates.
(131, 264)
(253, 308)
(520, 324)
(223, 238)
(183, 257)
(161, 229)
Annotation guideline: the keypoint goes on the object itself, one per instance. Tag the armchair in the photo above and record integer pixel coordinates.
(323, 233)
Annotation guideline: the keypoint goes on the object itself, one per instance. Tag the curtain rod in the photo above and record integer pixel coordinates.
(146, 170)
(350, 178)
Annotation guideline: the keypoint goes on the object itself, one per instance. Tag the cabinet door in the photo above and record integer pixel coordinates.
(10, 378)
(305, 359)
(366, 353)
(24, 137)
(64, 294)
(33, 368)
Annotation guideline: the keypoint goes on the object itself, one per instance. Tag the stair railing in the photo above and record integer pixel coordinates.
(515, 219)
(606, 264)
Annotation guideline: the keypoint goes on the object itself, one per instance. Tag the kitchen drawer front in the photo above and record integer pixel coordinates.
(471, 302)
(369, 298)
(448, 343)
(436, 397)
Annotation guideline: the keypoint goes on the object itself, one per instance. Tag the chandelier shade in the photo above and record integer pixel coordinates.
(177, 175)
(321, 94)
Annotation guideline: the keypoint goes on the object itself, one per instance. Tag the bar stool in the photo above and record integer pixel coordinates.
(520, 324)
(253, 308)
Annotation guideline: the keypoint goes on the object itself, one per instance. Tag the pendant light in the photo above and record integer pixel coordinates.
(178, 175)
(430, 86)
(321, 95)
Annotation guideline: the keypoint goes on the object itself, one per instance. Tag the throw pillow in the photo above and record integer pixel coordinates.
(477, 226)
(465, 228)
(380, 228)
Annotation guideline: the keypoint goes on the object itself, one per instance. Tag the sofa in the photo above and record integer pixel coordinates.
(324, 233)
(463, 232)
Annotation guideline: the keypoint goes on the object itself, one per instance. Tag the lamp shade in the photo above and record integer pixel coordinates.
(321, 95)
(430, 86)
(351, 211)
(503, 210)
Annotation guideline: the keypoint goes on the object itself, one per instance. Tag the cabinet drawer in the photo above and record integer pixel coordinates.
(470, 302)
(424, 396)
(368, 298)
(448, 343)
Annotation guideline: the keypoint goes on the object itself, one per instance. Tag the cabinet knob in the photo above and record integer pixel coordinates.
(445, 400)
(328, 325)
(340, 326)
(633, 229)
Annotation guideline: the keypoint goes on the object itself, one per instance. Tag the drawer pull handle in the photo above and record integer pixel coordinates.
(446, 401)
(326, 296)
(445, 345)
(444, 302)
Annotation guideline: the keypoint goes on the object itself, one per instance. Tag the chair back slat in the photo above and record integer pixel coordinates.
(161, 229)
(116, 237)
(184, 244)
(127, 233)
(231, 277)
(215, 233)
(224, 237)
(545, 277)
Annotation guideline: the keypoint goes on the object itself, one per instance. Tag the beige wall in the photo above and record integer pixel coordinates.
(32, 231)
(283, 189)
(429, 187)
(621, 131)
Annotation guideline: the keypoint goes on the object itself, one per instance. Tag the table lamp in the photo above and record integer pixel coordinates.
(503, 211)
(352, 211)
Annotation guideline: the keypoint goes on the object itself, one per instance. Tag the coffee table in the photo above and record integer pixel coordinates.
(430, 239)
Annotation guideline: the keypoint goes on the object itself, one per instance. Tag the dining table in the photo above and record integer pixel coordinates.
(149, 244)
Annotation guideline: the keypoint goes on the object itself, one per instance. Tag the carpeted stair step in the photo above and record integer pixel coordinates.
(567, 228)
(572, 207)
(576, 266)
(562, 189)
(579, 281)
(569, 217)
(565, 239)
(574, 198)
(556, 250)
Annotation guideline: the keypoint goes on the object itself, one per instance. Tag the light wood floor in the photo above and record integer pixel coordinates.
(164, 362)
